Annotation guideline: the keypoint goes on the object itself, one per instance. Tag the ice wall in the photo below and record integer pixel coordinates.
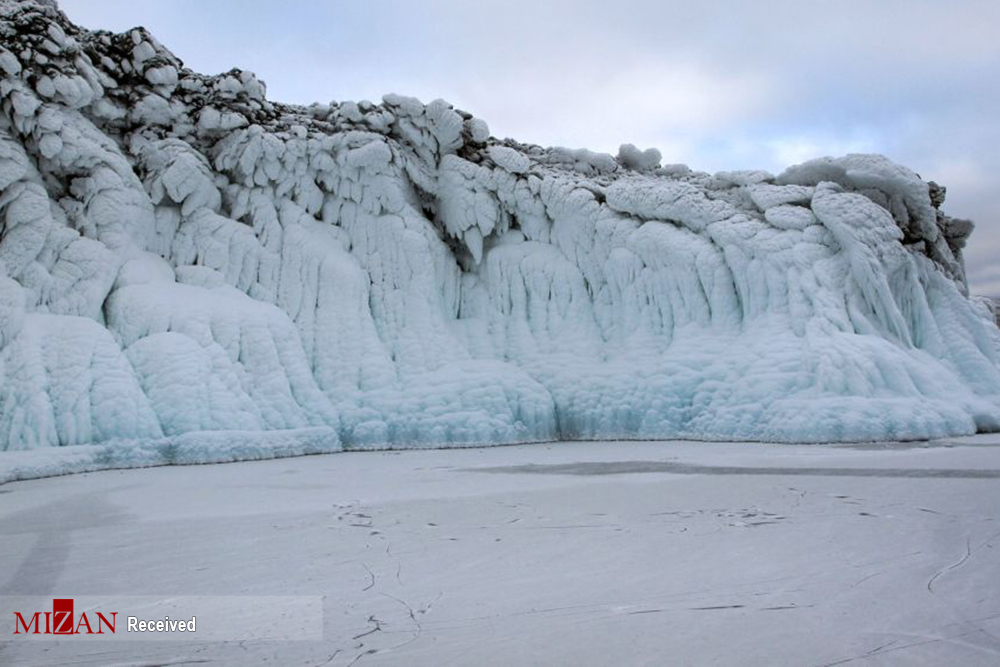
(181, 256)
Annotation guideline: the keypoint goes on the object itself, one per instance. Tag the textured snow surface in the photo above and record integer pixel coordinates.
(582, 554)
(181, 257)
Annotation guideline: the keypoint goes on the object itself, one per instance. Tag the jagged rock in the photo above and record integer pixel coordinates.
(180, 255)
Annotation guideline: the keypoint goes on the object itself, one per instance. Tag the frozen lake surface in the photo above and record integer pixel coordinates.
(571, 553)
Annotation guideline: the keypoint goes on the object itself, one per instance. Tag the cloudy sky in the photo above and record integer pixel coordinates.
(719, 85)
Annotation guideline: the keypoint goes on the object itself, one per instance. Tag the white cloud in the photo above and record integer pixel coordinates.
(669, 105)
(786, 151)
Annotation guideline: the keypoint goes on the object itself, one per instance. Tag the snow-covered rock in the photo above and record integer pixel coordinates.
(181, 257)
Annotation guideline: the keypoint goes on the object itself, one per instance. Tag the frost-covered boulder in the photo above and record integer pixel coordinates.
(183, 261)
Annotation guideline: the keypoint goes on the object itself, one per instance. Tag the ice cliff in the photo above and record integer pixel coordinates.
(185, 264)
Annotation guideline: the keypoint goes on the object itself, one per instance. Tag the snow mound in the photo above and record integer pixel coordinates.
(190, 272)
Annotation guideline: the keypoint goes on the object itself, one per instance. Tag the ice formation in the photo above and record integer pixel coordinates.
(183, 261)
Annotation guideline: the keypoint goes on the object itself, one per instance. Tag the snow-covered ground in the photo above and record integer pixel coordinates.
(575, 553)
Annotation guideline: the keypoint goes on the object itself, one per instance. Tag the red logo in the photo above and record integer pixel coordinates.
(60, 621)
